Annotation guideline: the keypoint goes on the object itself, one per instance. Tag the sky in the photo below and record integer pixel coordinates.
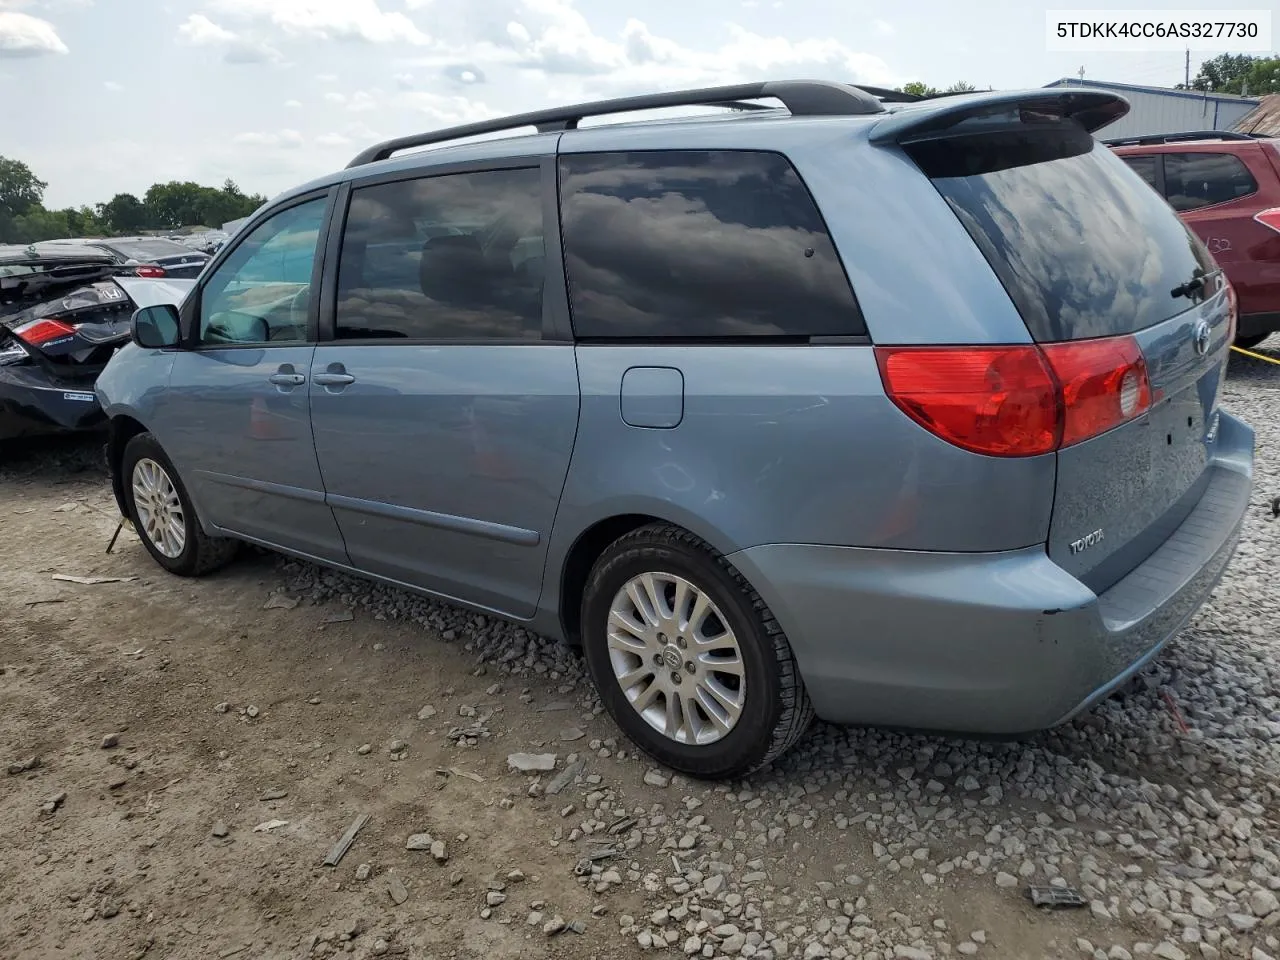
(106, 96)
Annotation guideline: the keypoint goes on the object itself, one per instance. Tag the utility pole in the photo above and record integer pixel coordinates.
(1082, 74)
(1187, 71)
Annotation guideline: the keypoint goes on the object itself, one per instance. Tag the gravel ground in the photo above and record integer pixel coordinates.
(1159, 806)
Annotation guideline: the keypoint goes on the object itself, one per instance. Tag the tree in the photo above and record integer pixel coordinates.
(961, 87)
(20, 189)
(1227, 73)
(918, 89)
(123, 213)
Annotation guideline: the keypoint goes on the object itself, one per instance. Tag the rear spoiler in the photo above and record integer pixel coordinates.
(934, 119)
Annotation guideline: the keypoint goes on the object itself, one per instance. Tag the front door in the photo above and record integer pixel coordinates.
(236, 421)
(444, 411)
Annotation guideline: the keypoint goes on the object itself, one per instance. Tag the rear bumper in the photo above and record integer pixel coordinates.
(1255, 324)
(31, 404)
(1002, 643)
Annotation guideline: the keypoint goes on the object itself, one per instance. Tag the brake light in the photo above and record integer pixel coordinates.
(42, 331)
(149, 270)
(1269, 218)
(1018, 401)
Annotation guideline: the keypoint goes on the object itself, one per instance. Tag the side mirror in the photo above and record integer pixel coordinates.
(155, 327)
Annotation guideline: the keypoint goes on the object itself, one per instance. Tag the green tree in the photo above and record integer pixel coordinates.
(173, 204)
(1228, 73)
(961, 87)
(918, 89)
(20, 189)
(123, 213)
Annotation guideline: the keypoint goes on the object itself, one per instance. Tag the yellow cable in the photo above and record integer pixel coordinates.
(1256, 356)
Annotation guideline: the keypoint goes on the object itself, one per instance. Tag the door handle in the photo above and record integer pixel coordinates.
(333, 379)
(287, 379)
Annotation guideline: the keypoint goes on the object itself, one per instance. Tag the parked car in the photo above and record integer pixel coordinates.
(64, 310)
(168, 258)
(896, 413)
(1227, 188)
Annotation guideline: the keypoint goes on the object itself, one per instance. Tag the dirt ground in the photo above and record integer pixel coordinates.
(217, 703)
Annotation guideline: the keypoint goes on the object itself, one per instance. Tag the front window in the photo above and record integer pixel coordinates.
(262, 292)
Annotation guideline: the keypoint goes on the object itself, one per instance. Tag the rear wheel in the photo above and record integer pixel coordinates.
(688, 659)
(163, 515)
(1249, 342)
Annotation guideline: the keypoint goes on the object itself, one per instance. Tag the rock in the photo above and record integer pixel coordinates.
(397, 746)
(439, 853)
(1242, 922)
(22, 766)
(419, 841)
(532, 762)
(397, 891)
(967, 947)
(553, 926)
(1203, 907)
(1006, 880)
(270, 795)
(1167, 951)
(222, 707)
(380, 947)
(978, 936)
(713, 884)
(268, 825)
(363, 871)
(565, 777)
(656, 778)
(110, 741)
(251, 711)
(364, 749)
(903, 952)
(693, 945)
(734, 943)
(1119, 953)
(53, 803)
(427, 712)
(278, 601)
(219, 829)
(495, 899)
(1263, 903)
(570, 734)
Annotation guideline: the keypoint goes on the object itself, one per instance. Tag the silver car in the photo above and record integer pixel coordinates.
(889, 412)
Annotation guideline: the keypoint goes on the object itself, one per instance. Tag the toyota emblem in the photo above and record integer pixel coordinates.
(1201, 337)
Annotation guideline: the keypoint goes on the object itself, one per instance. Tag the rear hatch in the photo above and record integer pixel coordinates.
(1091, 256)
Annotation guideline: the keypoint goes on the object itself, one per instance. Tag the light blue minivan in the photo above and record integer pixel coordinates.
(894, 411)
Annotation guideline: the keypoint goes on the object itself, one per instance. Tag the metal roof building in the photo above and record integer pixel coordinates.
(1155, 110)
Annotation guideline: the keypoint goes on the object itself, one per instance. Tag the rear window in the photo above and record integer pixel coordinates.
(699, 244)
(1084, 247)
(1145, 167)
(1193, 180)
(146, 249)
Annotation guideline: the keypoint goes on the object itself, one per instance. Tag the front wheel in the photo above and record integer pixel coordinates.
(163, 515)
(688, 659)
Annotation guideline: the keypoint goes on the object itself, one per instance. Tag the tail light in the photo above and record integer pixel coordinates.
(44, 330)
(1269, 218)
(149, 270)
(1018, 401)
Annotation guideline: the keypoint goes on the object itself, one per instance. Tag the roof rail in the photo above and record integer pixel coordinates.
(1187, 137)
(804, 98)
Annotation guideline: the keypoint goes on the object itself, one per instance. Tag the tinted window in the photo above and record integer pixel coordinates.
(1194, 180)
(262, 291)
(702, 244)
(146, 249)
(1084, 248)
(450, 257)
(1145, 167)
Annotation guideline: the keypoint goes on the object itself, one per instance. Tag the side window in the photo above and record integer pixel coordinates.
(262, 292)
(699, 244)
(451, 257)
(1145, 167)
(1193, 180)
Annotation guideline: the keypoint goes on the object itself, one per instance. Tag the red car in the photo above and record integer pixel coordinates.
(1226, 187)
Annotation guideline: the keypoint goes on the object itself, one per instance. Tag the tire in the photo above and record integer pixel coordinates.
(772, 708)
(1251, 341)
(197, 553)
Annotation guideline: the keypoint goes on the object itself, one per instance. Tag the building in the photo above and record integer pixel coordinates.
(1155, 110)
(1264, 119)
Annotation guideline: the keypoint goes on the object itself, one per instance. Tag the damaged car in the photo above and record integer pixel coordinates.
(64, 311)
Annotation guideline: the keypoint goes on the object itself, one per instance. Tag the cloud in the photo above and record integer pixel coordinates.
(282, 138)
(326, 78)
(200, 31)
(404, 81)
(361, 101)
(22, 35)
(352, 20)
(447, 110)
(293, 104)
(333, 140)
(113, 86)
(884, 28)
